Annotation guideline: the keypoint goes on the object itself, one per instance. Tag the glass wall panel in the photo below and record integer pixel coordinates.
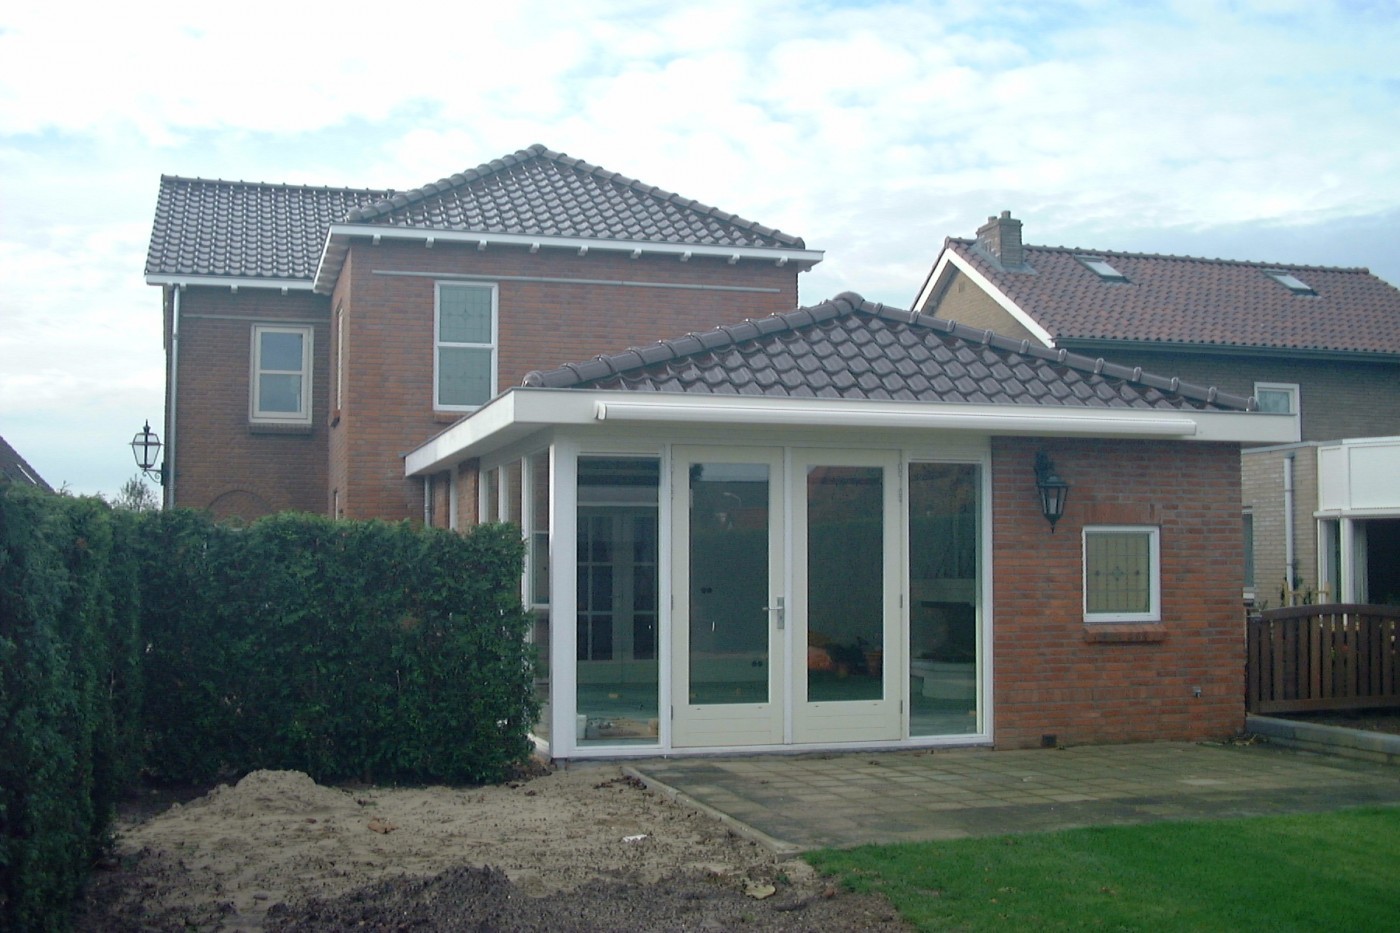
(945, 588)
(618, 605)
(729, 660)
(531, 478)
(845, 583)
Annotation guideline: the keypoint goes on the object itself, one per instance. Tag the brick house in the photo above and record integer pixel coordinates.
(314, 334)
(1322, 512)
(824, 529)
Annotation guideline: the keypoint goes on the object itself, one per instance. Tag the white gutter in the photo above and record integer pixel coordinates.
(1288, 531)
(990, 421)
(168, 467)
(338, 233)
(232, 282)
(524, 410)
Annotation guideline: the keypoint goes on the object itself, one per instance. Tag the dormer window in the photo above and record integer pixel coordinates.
(1102, 268)
(1291, 282)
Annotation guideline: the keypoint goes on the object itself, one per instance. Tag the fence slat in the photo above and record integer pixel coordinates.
(1334, 656)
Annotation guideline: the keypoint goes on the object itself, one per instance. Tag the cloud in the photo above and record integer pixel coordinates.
(873, 130)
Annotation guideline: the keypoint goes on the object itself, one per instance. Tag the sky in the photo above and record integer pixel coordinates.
(1262, 131)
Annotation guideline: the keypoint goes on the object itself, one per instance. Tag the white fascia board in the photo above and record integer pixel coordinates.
(230, 281)
(524, 410)
(940, 266)
(508, 417)
(772, 254)
(1040, 420)
(950, 258)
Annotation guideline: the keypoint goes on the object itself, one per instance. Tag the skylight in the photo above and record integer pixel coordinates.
(1291, 282)
(1102, 268)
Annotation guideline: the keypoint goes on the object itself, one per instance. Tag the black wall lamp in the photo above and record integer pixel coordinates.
(145, 447)
(1053, 490)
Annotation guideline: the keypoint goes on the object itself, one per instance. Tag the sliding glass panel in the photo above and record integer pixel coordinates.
(729, 660)
(618, 608)
(944, 588)
(845, 580)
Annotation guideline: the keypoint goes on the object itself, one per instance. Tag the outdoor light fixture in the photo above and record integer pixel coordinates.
(145, 447)
(1053, 490)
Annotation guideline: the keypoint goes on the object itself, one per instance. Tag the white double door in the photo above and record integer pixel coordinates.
(786, 624)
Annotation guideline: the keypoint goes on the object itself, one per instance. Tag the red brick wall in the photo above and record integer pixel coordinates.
(221, 462)
(387, 293)
(1055, 675)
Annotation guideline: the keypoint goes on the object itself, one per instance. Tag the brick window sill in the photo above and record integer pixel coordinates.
(257, 427)
(1125, 632)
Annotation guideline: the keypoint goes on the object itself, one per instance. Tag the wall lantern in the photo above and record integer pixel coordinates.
(145, 447)
(1053, 490)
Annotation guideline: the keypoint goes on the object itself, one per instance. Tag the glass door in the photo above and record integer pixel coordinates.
(847, 653)
(728, 618)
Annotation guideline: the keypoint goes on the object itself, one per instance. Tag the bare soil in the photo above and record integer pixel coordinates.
(578, 849)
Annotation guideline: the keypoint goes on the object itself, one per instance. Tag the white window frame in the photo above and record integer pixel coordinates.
(1154, 559)
(439, 343)
(1288, 388)
(255, 412)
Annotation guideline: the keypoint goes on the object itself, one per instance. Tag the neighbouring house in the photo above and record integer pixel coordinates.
(1321, 513)
(15, 469)
(825, 529)
(313, 334)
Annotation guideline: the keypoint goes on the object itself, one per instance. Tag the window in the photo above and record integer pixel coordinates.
(281, 374)
(1281, 397)
(1102, 268)
(1122, 574)
(1291, 282)
(465, 352)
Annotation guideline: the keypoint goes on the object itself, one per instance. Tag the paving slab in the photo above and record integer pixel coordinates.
(793, 803)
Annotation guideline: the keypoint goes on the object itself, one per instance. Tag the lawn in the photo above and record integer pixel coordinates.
(1331, 871)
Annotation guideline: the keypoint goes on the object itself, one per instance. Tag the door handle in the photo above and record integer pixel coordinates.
(778, 607)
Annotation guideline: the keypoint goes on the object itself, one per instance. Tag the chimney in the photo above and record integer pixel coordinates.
(1001, 237)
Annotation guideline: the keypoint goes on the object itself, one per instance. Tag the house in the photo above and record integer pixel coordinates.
(1322, 512)
(835, 527)
(314, 334)
(15, 469)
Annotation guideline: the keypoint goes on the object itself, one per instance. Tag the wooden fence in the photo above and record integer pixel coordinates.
(1332, 656)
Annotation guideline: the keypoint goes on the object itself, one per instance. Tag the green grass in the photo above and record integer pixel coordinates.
(1333, 871)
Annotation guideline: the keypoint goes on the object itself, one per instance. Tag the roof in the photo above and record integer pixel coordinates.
(1200, 302)
(223, 229)
(14, 468)
(237, 229)
(850, 348)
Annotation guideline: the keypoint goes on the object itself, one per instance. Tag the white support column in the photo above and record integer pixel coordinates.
(563, 596)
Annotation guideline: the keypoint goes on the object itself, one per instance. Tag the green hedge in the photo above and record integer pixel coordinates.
(343, 649)
(165, 642)
(69, 694)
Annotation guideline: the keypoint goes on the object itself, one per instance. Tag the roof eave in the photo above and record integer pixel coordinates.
(523, 410)
(1225, 349)
(339, 236)
(233, 282)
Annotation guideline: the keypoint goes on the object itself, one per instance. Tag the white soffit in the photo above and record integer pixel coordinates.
(522, 411)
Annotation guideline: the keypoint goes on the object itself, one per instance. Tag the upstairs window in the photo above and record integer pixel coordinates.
(1278, 397)
(1102, 268)
(281, 378)
(1291, 282)
(465, 346)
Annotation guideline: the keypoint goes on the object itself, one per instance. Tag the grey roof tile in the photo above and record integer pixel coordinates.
(851, 348)
(238, 229)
